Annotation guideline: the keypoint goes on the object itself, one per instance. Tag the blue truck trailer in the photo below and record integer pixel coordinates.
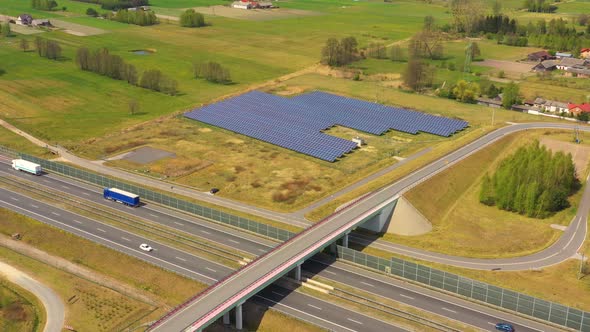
(121, 196)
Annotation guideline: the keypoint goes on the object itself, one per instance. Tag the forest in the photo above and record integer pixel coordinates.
(533, 181)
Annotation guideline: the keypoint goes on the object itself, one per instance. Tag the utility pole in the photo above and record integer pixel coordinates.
(493, 115)
(581, 273)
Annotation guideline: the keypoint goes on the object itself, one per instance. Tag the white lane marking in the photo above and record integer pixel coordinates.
(354, 321)
(234, 241)
(179, 224)
(279, 294)
(261, 250)
(492, 323)
(35, 206)
(46, 181)
(65, 187)
(87, 194)
(111, 242)
(153, 215)
(77, 221)
(449, 310)
(205, 232)
(210, 269)
(14, 198)
(54, 213)
(407, 297)
(330, 272)
(126, 239)
(313, 306)
(180, 259)
(368, 284)
(102, 230)
(343, 328)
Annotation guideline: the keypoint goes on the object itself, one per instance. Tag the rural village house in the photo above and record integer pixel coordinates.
(552, 106)
(540, 56)
(566, 63)
(547, 65)
(24, 19)
(585, 53)
(247, 4)
(576, 109)
(563, 55)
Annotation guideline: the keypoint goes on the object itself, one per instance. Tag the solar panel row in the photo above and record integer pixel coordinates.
(296, 123)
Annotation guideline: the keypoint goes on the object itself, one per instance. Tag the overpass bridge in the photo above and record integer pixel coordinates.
(232, 291)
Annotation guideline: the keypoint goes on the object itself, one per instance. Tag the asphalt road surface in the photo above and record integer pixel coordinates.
(332, 316)
(53, 304)
(305, 307)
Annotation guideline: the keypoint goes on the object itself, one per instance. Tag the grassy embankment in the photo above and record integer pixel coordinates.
(100, 307)
(462, 226)
(20, 310)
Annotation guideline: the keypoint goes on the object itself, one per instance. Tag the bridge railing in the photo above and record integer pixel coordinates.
(229, 276)
(473, 289)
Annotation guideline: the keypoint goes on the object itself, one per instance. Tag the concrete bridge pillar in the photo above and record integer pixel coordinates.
(226, 318)
(345, 239)
(297, 272)
(239, 317)
(333, 248)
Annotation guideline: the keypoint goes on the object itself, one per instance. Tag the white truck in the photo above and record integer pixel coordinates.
(26, 166)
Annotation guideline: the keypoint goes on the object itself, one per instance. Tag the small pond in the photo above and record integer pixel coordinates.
(142, 52)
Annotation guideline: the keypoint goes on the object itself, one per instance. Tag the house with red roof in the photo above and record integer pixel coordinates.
(576, 109)
(585, 53)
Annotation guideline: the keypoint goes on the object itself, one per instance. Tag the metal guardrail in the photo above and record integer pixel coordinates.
(473, 289)
(150, 195)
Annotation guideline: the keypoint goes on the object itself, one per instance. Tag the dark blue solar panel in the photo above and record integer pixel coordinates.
(296, 123)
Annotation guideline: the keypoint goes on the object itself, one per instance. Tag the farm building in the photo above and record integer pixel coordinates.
(585, 53)
(540, 56)
(247, 4)
(24, 19)
(576, 109)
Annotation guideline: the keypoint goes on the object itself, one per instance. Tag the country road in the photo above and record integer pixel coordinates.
(54, 307)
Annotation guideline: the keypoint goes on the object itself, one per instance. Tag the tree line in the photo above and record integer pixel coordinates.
(137, 17)
(117, 4)
(533, 181)
(212, 72)
(43, 4)
(4, 29)
(556, 34)
(339, 53)
(48, 48)
(103, 63)
(539, 6)
(191, 19)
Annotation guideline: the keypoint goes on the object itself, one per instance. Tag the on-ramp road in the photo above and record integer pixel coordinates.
(54, 307)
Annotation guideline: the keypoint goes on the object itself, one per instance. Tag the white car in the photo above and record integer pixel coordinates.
(145, 247)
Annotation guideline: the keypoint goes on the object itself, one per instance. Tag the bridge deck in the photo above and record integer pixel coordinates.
(204, 308)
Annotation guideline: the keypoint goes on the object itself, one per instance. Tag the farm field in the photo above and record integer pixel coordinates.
(253, 51)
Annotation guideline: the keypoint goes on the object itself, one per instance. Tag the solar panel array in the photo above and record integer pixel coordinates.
(296, 123)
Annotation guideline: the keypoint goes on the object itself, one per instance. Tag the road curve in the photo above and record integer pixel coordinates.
(54, 307)
(565, 247)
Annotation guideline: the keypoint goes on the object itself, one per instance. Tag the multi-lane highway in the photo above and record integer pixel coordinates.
(203, 309)
(452, 307)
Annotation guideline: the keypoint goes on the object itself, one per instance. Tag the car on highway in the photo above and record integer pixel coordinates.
(214, 191)
(505, 327)
(145, 247)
